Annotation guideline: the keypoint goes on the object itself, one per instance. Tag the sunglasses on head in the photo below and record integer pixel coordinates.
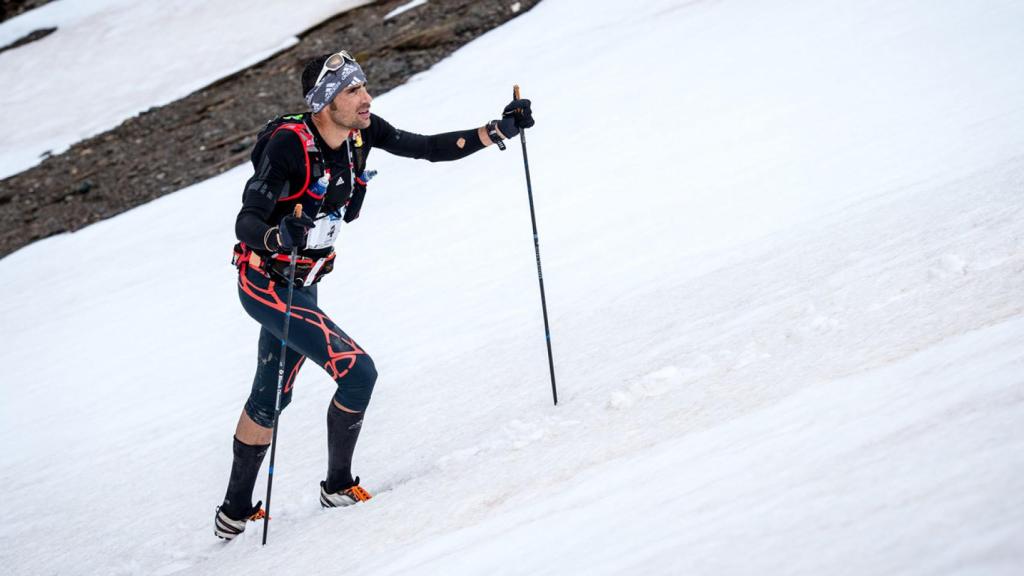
(333, 63)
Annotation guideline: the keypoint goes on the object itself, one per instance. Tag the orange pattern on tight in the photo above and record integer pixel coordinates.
(291, 377)
(268, 297)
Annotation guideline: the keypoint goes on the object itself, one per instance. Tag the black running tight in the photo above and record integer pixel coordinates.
(311, 334)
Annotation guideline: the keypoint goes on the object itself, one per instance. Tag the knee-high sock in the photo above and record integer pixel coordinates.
(244, 469)
(342, 435)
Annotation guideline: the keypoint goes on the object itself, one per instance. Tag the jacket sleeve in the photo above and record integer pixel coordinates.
(435, 148)
(281, 168)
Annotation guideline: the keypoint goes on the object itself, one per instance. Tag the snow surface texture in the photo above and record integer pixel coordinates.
(112, 59)
(787, 325)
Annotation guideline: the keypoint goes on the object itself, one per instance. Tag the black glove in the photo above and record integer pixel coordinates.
(517, 115)
(292, 231)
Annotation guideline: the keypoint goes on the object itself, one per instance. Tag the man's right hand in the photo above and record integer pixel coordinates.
(292, 231)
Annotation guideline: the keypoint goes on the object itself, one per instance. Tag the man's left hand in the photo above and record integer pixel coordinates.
(517, 115)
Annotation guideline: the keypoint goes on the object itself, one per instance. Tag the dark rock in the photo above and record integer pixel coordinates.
(11, 8)
(83, 188)
(29, 38)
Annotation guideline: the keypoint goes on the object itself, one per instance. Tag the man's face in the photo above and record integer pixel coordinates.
(351, 107)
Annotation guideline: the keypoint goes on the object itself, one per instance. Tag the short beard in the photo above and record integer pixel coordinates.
(332, 111)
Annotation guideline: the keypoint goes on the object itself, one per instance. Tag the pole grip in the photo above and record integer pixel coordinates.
(298, 211)
(515, 91)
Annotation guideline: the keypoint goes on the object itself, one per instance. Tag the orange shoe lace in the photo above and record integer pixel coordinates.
(358, 493)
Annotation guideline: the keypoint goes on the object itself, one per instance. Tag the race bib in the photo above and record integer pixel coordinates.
(325, 233)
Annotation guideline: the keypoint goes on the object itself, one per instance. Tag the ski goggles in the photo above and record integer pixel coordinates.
(333, 63)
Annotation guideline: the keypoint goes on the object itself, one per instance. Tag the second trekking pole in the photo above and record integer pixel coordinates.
(280, 375)
(536, 248)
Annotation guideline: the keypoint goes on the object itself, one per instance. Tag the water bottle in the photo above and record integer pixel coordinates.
(319, 188)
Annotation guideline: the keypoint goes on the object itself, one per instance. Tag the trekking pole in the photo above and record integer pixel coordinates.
(536, 248)
(280, 375)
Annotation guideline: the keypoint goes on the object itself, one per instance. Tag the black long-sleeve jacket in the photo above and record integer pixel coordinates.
(280, 172)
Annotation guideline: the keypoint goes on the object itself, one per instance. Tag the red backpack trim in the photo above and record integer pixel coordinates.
(306, 137)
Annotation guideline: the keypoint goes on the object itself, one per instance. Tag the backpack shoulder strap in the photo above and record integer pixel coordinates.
(308, 145)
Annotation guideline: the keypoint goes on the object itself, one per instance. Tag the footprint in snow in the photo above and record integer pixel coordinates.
(950, 265)
(653, 384)
(522, 434)
(458, 456)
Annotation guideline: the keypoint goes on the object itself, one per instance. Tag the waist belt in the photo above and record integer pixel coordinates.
(308, 271)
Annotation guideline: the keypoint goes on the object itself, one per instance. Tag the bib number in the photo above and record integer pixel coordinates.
(325, 232)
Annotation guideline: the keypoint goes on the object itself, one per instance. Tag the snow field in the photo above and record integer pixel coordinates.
(786, 323)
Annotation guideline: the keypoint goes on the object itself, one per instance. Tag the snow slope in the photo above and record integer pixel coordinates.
(788, 325)
(111, 59)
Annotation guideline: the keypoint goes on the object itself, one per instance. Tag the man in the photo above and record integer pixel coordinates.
(317, 161)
